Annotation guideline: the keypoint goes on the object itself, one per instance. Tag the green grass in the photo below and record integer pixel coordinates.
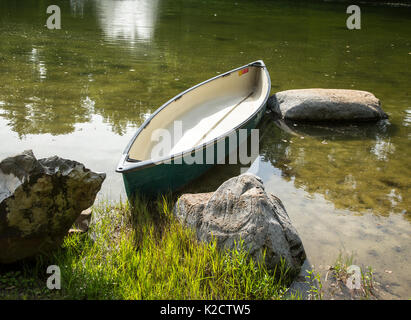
(340, 274)
(144, 253)
(316, 287)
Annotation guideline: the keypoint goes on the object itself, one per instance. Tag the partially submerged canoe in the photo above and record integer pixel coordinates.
(195, 122)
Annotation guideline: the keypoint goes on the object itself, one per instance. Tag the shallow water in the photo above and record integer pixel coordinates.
(82, 91)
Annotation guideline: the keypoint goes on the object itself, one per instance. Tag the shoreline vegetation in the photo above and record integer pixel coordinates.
(145, 253)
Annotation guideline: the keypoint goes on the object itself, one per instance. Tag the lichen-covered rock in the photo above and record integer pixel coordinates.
(39, 201)
(326, 105)
(241, 209)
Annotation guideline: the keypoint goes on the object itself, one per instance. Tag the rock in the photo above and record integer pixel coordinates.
(319, 105)
(241, 209)
(39, 201)
(82, 223)
(301, 285)
(335, 131)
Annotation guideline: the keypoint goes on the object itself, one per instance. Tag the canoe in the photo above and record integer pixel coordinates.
(194, 125)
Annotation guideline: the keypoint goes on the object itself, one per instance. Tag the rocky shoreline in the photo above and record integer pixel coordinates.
(41, 201)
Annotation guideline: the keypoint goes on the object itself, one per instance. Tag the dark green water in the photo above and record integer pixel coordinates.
(82, 91)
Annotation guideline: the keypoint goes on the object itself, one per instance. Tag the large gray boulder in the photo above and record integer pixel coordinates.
(241, 209)
(39, 201)
(326, 105)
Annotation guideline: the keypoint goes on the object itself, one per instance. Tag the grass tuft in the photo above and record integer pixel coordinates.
(341, 274)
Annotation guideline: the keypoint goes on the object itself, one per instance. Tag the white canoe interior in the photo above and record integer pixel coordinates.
(202, 114)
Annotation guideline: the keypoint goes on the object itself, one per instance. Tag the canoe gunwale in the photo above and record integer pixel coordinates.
(127, 164)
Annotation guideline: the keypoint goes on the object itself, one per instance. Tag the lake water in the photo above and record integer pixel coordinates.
(82, 91)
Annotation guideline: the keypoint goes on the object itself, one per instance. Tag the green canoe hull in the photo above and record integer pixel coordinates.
(163, 178)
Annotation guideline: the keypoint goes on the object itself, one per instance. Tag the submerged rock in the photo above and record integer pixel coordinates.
(337, 131)
(39, 201)
(318, 105)
(241, 209)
